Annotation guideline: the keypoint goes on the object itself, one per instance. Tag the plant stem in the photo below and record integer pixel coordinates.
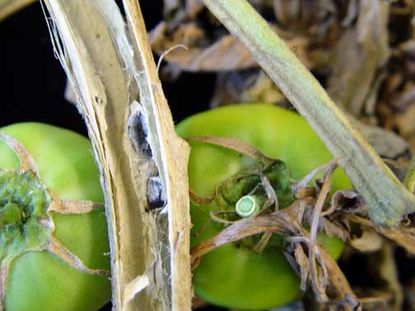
(108, 67)
(387, 200)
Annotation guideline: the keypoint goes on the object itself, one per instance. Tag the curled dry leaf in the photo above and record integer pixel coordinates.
(388, 272)
(359, 54)
(223, 53)
(406, 98)
(193, 8)
(407, 51)
(368, 241)
(402, 236)
(329, 275)
(190, 7)
(227, 53)
(405, 120)
(170, 5)
(275, 223)
(347, 200)
(386, 143)
(299, 261)
(247, 86)
(383, 290)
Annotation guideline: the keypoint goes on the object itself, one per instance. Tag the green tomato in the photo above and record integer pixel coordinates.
(234, 276)
(37, 277)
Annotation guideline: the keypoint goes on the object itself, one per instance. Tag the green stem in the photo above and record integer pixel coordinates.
(387, 200)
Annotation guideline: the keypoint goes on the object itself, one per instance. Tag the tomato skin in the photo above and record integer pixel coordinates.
(237, 277)
(40, 280)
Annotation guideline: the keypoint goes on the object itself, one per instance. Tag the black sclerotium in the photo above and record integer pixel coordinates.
(156, 196)
(138, 132)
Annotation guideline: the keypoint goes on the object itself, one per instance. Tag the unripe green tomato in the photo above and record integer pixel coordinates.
(39, 280)
(233, 276)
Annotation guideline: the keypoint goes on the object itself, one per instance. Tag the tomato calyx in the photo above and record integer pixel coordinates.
(260, 188)
(26, 223)
(267, 187)
(267, 180)
(301, 245)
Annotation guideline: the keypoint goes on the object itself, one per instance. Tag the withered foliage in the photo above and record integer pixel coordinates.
(363, 53)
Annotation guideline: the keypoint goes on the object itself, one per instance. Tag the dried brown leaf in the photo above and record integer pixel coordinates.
(338, 285)
(368, 241)
(276, 223)
(262, 90)
(405, 121)
(388, 273)
(326, 278)
(405, 98)
(170, 6)
(301, 262)
(247, 86)
(193, 8)
(233, 144)
(359, 54)
(347, 201)
(227, 53)
(402, 236)
(386, 143)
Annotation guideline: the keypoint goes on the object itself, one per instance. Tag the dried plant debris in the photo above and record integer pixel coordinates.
(211, 48)
(395, 107)
(270, 177)
(316, 268)
(363, 52)
(227, 53)
(403, 236)
(359, 54)
(379, 279)
(310, 212)
(245, 86)
(347, 44)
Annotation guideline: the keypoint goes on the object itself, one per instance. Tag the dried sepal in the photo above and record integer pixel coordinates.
(26, 161)
(73, 206)
(59, 250)
(284, 222)
(3, 280)
(402, 236)
(233, 144)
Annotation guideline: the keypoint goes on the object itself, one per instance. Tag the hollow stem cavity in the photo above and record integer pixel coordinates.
(247, 206)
